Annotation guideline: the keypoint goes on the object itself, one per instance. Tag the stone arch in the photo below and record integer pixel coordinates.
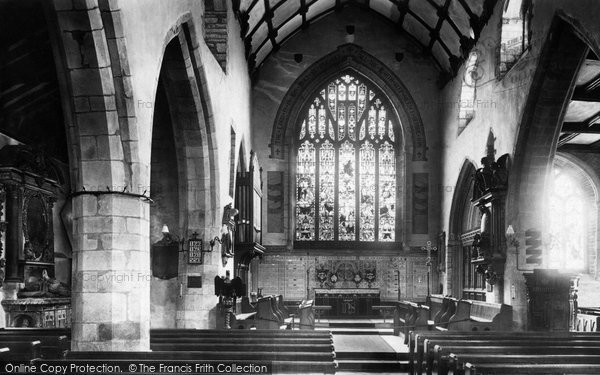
(460, 199)
(540, 126)
(535, 148)
(96, 156)
(110, 222)
(200, 150)
(349, 56)
(184, 81)
(589, 182)
(587, 178)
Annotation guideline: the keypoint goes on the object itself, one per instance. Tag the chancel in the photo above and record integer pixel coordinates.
(293, 186)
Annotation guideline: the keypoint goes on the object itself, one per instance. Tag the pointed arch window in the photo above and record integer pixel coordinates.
(346, 165)
(570, 219)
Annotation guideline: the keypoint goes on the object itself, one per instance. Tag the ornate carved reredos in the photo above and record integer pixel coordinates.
(492, 176)
(37, 227)
(29, 159)
(349, 57)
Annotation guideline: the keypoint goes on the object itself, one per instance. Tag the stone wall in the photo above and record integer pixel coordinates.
(500, 108)
(379, 39)
(295, 275)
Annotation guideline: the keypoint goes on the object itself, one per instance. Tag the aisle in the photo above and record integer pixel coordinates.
(366, 346)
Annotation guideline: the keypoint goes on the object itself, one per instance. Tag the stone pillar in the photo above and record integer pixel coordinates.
(196, 307)
(111, 276)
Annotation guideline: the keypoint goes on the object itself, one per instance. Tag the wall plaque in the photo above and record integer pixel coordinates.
(195, 251)
(194, 282)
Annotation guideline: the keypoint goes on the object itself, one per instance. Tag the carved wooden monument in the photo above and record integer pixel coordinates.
(30, 181)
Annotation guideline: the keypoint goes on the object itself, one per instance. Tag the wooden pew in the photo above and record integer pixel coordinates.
(274, 347)
(244, 340)
(53, 342)
(320, 310)
(385, 310)
(458, 362)
(447, 357)
(436, 308)
(266, 317)
(587, 323)
(307, 315)
(51, 347)
(20, 350)
(448, 311)
(481, 316)
(290, 351)
(177, 333)
(416, 319)
(150, 358)
(526, 369)
(589, 310)
(4, 354)
(417, 340)
(288, 318)
(402, 315)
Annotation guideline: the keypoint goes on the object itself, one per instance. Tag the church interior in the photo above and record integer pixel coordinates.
(301, 186)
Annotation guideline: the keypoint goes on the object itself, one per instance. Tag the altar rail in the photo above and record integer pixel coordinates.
(356, 302)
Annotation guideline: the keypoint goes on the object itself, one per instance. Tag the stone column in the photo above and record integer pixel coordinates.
(196, 307)
(111, 276)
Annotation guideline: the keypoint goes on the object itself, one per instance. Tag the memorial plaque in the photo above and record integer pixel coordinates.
(195, 251)
(194, 282)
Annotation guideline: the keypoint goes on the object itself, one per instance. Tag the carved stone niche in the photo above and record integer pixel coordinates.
(30, 188)
(489, 195)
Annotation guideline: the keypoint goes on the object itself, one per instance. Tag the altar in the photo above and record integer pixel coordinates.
(348, 302)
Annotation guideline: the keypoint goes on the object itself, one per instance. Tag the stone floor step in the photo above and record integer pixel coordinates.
(369, 356)
(358, 331)
(376, 366)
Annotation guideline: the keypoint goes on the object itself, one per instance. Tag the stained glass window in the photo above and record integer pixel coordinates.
(567, 223)
(346, 165)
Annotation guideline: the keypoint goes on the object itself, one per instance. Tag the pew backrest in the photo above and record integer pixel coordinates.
(436, 307)
(266, 318)
(449, 309)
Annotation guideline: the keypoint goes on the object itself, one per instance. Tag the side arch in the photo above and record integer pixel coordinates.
(349, 56)
(463, 188)
(199, 131)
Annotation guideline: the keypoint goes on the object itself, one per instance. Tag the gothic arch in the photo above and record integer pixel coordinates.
(456, 226)
(540, 125)
(535, 148)
(349, 56)
(588, 180)
(198, 135)
(89, 79)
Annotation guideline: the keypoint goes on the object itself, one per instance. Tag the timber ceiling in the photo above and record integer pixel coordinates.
(581, 126)
(30, 106)
(445, 29)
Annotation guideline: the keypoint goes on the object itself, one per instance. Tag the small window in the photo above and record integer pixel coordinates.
(515, 34)
(466, 106)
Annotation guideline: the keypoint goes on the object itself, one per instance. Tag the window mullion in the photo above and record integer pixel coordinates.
(336, 200)
(376, 213)
(357, 190)
(317, 190)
